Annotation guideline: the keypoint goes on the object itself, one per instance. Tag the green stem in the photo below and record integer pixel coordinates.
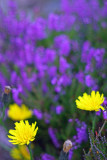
(30, 151)
(93, 123)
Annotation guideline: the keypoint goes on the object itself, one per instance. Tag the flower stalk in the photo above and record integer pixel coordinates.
(30, 151)
(93, 123)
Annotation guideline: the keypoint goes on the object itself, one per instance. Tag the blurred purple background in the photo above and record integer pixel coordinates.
(41, 8)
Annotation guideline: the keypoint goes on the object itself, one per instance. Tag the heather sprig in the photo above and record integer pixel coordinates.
(98, 147)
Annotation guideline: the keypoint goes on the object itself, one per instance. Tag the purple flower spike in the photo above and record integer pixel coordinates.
(38, 113)
(59, 109)
(16, 95)
(47, 117)
(105, 101)
(63, 43)
(105, 115)
(63, 65)
(70, 120)
(80, 76)
(52, 134)
(46, 156)
(98, 113)
(89, 81)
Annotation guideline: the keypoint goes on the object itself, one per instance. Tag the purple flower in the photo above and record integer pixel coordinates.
(67, 80)
(89, 53)
(89, 81)
(50, 55)
(45, 87)
(53, 22)
(14, 77)
(98, 55)
(80, 76)
(3, 81)
(36, 29)
(104, 24)
(46, 156)
(70, 154)
(105, 115)
(59, 109)
(52, 134)
(1, 104)
(54, 81)
(89, 67)
(27, 81)
(52, 71)
(47, 117)
(58, 88)
(81, 133)
(60, 82)
(2, 58)
(75, 45)
(38, 113)
(85, 51)
(70, 120)
(16, 95)
(29, 57)
(62, 42)
(105, 101)
(98, 112)
(63, 65)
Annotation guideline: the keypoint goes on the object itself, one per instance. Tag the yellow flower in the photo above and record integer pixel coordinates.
(90, 102)
(23, 133)
(18, 113)
(20, 153)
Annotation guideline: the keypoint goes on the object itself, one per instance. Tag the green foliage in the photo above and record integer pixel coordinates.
(98, 148)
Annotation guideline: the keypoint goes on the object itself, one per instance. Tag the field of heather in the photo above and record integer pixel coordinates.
(53, 80)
